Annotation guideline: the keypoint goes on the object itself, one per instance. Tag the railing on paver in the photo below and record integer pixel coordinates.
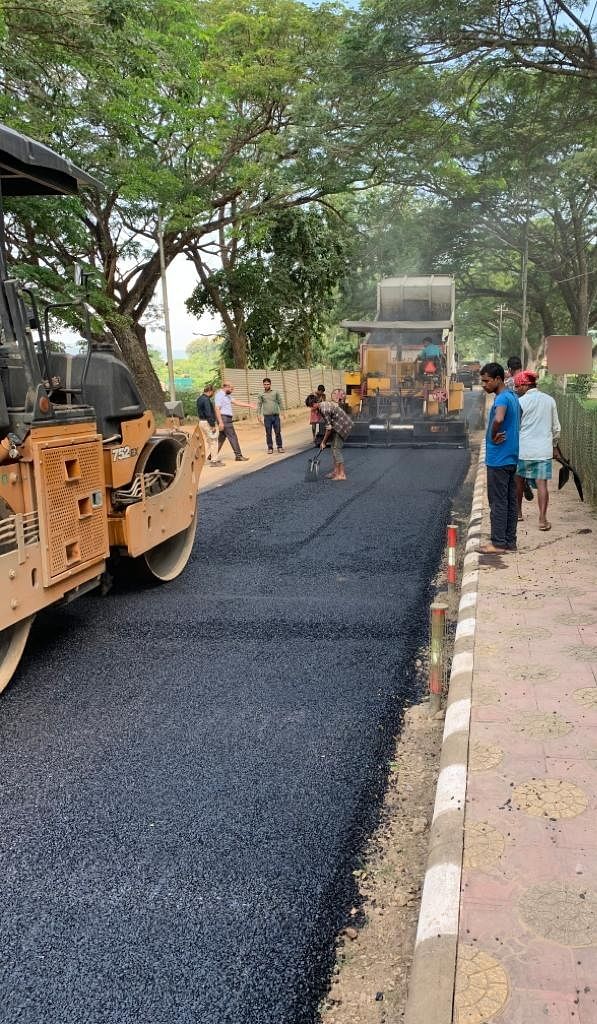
(293, 385)
(579, 439)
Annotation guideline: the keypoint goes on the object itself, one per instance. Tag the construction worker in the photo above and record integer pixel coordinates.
(337, 428)
(431, 356)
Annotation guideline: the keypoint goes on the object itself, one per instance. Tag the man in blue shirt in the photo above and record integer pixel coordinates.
(501, 458)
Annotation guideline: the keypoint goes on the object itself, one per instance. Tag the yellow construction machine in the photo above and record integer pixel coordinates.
(406, 391)
(85, 476)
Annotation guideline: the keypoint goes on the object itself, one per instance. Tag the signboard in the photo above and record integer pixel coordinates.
(569, 353)
(183, 383)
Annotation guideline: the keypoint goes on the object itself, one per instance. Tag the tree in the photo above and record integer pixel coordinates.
(552, 36)
(200, 108)
(276, 286)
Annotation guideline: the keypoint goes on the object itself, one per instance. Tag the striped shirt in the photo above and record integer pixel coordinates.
(336, 418)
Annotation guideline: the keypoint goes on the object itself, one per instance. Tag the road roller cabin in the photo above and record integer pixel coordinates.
(84, 473)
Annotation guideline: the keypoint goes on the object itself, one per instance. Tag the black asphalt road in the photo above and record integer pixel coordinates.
(188, 773)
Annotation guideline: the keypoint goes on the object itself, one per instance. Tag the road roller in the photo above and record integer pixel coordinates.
(86, 478)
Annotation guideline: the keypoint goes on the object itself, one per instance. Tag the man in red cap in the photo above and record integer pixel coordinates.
(539, 435)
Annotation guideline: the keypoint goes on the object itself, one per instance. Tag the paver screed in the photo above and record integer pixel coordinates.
(527, 946)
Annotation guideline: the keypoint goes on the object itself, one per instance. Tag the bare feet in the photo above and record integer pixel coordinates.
(545, 526)
(490, 549)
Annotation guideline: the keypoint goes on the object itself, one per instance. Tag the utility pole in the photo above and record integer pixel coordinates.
(525, 278)
(166, 309)
(501, 309)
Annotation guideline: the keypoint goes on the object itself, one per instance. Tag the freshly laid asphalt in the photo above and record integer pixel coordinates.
(189, 772)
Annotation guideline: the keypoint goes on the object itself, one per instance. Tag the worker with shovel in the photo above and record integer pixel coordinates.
(337, 428)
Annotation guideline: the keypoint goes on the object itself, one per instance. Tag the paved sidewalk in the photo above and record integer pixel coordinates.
(527, 942)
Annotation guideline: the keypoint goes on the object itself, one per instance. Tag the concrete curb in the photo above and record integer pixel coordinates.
(431, 985)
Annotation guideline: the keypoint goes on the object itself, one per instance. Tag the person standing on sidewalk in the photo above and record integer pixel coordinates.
(514, 366)
(223, 403)
(269, 406)
(208, 424)
(501, 458)
(539, 435)
(337, 428)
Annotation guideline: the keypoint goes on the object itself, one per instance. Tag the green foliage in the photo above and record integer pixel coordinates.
(189, 401)
(580, 384)
(298, 155)
(201, 364)
(284, 278)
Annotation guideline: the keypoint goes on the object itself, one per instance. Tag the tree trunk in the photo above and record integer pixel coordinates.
(238, 344)
(131, 340)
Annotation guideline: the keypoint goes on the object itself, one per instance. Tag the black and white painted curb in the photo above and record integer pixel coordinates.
(431, 988)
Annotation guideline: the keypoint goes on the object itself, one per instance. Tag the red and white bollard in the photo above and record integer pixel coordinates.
(437, 654)
(452, 545)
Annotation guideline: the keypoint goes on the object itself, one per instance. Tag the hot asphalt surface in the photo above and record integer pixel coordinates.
(190, 771)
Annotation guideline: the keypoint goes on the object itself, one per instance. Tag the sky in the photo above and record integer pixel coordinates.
(182, 279)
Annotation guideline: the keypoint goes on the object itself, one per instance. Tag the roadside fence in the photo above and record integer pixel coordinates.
(293, 385)
(579, 439)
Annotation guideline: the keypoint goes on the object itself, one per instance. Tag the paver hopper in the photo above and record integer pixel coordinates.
(406, 392)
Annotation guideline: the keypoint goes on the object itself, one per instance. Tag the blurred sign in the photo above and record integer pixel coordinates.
(569, 353)
(183, 383)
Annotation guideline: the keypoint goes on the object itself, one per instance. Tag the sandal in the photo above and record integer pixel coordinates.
(544, 527)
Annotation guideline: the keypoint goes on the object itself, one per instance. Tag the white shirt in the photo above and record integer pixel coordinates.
(223, 402)
(539, 427)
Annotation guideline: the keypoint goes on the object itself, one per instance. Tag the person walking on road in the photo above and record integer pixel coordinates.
(501, 458)
(539, 436)
(208, 424)
(337, 428)
(269, 406)
(224, 415)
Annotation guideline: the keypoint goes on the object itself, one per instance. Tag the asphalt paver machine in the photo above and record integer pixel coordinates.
(85, 476)
(406, 391)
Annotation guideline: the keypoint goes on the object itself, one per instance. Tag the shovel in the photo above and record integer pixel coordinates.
(312, 470)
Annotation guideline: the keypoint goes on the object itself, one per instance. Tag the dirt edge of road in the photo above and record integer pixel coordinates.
(369, 981)
(374, 951)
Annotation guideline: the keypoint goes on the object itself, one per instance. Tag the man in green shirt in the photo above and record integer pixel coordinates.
(269, 407)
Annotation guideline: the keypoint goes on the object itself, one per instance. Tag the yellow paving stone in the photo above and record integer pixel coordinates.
(587, 696)
(578, 619)
(484, 756)
(542, 725)
(561, 912)
(550, 798)
(482, 986)
(485, 696)
(535, 673)
(583, 652)
(483, 845)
